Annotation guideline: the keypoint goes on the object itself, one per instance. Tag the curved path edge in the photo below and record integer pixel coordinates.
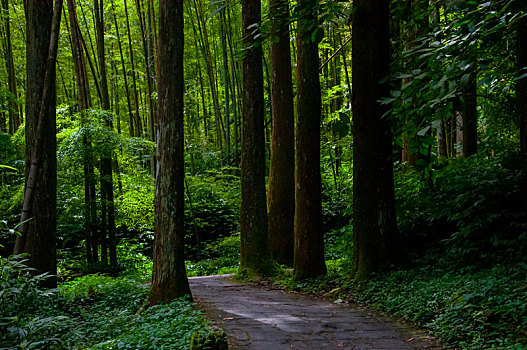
(259, 318)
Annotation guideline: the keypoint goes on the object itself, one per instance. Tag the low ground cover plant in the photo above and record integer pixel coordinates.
(90, 312)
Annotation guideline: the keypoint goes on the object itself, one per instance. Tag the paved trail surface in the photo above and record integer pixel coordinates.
(261, 318)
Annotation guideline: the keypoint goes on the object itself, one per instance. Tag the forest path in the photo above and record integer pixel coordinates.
(258, 317)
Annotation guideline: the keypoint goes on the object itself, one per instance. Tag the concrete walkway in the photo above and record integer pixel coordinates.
(262, 318)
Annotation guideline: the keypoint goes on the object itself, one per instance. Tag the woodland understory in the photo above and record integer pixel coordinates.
(371, 152)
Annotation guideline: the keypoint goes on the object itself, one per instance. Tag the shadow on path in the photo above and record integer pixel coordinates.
(266, 319)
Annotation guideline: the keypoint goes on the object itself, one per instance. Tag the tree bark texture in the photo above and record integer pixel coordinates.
(375, 235)
(309, 240)
(38, 235)
(470, 118)
(281, 188)
(169, 278)
(255, 256)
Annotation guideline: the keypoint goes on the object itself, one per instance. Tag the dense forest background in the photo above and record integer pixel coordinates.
(408, 166)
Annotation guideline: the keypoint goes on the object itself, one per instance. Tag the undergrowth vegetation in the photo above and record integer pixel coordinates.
(90, 312)
(462, 220)
(466, 276)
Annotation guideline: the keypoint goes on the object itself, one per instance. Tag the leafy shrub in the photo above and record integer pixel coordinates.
(211, 212)
(223, 256)
(339, 243)
(216, 340)
(106, 292)
(169, 326)
(90, 312)
(25, 309)
(485, 309)
(473, 204)
(20, 291)
(132, 259)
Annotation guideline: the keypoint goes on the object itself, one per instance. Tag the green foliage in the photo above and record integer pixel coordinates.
(216, 340)
(212, 210)
(169, 326)
(135, 204)
(473, 204)
(20, 292)
(329, 284)
(219, 257)
(338, 243)
(90, 312)
(437, 53)
(105, 292)
(486, 309)
(11, 168)
(132, 259)
(25, 317)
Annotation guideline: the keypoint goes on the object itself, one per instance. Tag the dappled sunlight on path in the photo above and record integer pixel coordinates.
(257, 317)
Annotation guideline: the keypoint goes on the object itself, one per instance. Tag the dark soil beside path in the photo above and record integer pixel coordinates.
(256, 317)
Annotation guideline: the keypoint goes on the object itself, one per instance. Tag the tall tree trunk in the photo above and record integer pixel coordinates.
(88, 34)
(79, 63)
(522, 96)
(152, 76)
(226, 85)
(125, 76)
(458, 134)
(309, 242)
(255, 256)
(84, 101)
(14, 120)
(106, 160)
(149, 81)
(470, 118)
(153, 36)
(210, 71)
(37, 237)
(344, 62)
(169, 278)
(375, 235)
(138, 125)
(281, 188)
(442, 140)
(94, 68)
(235, 87)
(99, 39)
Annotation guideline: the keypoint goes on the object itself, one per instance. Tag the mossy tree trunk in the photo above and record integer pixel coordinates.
(255, 255)
(281, 188)
(375, 235)
(169, 278)
(309, 241)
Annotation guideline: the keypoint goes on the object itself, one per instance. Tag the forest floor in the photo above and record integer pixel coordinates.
(266, 317)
